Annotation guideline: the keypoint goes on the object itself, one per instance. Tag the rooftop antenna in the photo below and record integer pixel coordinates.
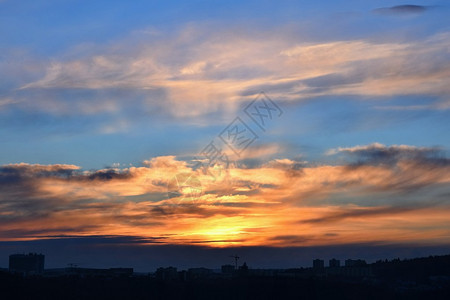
(235, 259)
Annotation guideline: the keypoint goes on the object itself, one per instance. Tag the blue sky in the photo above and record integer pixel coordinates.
(103, 102)
(36, 34)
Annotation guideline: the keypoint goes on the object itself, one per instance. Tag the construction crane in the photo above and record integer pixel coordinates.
(235, 260)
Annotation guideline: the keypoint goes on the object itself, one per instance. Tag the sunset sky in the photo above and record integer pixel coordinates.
(106, 107)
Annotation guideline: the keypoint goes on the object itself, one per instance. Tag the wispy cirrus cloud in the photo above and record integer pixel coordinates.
(231, 69)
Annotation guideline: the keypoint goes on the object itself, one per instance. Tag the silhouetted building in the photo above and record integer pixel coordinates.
(228, 269)
(359, 271)
(318, 264)
(264, 272)
(353, 268)
(169, 273)
(198, 273)
(183, 275)
(243, 270)
(27, 264)
(334, 263)
(90, 272)
(243, 267)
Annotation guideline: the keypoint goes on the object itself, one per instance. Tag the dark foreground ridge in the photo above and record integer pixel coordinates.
(418, 278)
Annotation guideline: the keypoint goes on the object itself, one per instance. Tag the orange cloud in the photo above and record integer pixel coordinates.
(278, 203)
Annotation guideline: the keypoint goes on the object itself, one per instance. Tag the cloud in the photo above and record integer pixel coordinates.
(397, 169)
(407, 9)
(377, 149)
(361, 213)
(231, 70)
(380, 154)
(5, 102)
(256, 205)
(292, 240)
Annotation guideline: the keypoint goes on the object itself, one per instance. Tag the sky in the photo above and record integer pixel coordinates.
(158, 133)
